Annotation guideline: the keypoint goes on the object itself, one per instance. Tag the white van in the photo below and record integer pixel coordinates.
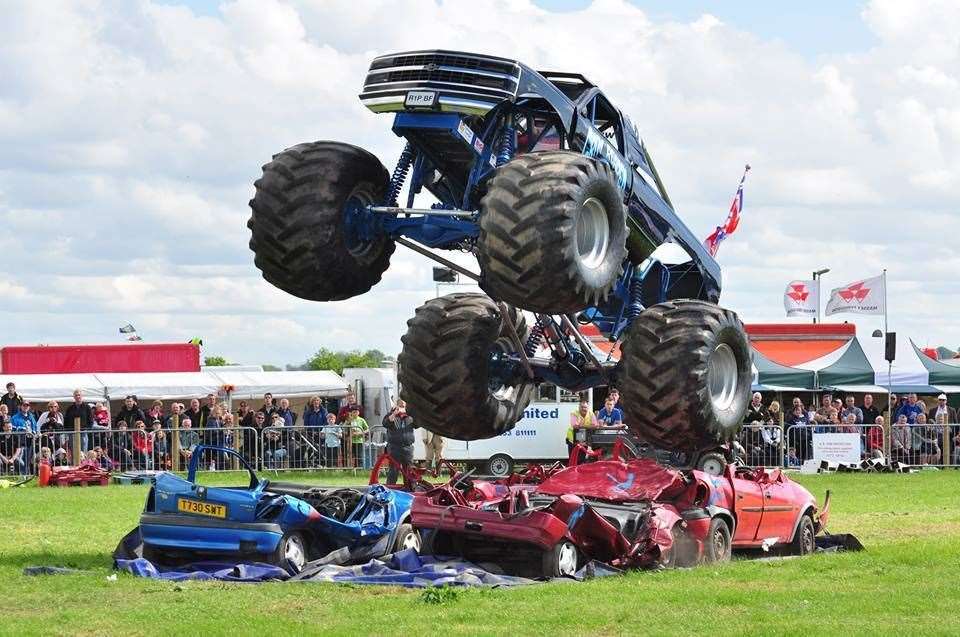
(540, 436)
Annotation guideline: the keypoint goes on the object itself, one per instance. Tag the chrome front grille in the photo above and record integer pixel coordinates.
(463, 81)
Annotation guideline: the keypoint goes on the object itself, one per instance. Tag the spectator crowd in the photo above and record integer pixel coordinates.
(140, 436)
(916, 434)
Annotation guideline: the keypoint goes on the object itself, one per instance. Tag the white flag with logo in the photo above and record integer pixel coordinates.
(800, 298)
(860, 297)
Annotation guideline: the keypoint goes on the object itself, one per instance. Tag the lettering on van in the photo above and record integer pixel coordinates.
(520, 433)
(536, 412)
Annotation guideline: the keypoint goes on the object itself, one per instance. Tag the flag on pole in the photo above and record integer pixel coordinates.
(131, 332)
(860, 297)
(712, 243)
(800, 298)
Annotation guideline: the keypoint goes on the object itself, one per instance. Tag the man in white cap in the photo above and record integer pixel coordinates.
(942, 408)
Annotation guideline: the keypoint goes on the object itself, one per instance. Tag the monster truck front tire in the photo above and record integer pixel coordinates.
(307, 221)
(552, 232)
(684, 375)
(448, 368)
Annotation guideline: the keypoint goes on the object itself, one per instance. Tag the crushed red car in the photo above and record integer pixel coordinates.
(628, 514)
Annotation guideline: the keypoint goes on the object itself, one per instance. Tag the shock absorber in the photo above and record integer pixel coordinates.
(399, 175)
(534, 340)
(507, 146)
(636, 296)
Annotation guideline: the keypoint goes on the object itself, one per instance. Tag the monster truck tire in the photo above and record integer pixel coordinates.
(445, 368)
(300, 235)
(552, 232)
(684, 375)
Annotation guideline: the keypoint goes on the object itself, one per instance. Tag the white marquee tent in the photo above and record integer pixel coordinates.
(169, 385)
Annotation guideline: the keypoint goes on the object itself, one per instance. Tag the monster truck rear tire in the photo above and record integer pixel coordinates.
(447, 370)
(300, 235)
(684, 375)
(552, 232)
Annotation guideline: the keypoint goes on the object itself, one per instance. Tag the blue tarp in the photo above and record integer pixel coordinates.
(205, 571)
(406, 569)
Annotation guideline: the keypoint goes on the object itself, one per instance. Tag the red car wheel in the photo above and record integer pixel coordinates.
(717, 543)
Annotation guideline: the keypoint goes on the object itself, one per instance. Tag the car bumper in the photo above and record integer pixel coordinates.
(193, 534)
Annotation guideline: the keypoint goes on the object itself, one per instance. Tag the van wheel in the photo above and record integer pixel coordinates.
(500, 465)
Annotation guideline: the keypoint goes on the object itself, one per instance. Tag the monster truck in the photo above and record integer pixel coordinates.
(550, 186)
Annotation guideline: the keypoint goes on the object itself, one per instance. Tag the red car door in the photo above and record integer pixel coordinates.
(780, 508)
(748, 503)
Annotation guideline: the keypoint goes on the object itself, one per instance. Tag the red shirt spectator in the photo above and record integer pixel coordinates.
(142, 441)
(875, 436)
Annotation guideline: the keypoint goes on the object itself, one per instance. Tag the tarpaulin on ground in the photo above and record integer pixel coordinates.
(223, 571)
(410, 570)
(405, 568)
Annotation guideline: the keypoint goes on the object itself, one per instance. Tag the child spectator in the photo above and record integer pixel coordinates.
(161, 447)
(358, 430)
(332, 436)
(142, 447)
(792, 459)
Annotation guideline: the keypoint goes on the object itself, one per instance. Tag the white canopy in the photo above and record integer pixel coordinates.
(169, 385)
(160, 385)
(326, 384)
(44, 387)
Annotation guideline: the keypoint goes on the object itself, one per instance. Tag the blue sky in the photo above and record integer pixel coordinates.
(812, 27)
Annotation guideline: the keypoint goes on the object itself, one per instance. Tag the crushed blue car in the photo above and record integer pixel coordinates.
(280, 523)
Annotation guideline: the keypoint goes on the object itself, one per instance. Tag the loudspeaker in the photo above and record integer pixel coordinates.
(891, 347)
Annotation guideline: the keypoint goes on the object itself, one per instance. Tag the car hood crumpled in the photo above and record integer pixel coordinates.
(638, 480)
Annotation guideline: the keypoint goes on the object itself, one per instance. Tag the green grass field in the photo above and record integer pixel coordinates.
(908, 580)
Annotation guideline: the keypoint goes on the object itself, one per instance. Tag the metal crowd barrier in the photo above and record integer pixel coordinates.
(126, 449)
(926, 444)
(301, 448)
(17, 453)
(762, 445)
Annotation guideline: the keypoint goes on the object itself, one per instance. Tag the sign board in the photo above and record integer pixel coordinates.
(837, 447)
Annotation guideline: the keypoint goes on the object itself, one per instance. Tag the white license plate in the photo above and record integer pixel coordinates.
(420, 99)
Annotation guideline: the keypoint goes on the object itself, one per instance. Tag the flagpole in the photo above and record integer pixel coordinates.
(887, 442)
(885, 325)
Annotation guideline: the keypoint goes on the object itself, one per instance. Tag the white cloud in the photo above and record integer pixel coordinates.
(132, 133)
